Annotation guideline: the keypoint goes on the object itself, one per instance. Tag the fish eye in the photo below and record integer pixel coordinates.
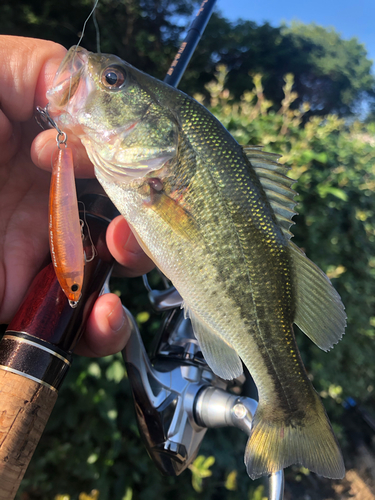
(113, 77)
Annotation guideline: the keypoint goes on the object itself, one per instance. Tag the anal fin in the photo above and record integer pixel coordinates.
(220, 356)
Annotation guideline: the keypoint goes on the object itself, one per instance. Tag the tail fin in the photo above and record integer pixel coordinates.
(276, 444)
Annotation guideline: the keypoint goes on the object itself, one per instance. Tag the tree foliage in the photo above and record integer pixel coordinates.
(92, 442)
(332, 74)
(337, 73)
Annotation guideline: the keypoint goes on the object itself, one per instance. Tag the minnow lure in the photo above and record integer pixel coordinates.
(65, 231)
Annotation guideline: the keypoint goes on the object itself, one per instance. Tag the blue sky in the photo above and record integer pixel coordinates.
(350, 18)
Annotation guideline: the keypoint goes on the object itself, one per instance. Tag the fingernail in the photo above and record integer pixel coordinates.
(117, 317)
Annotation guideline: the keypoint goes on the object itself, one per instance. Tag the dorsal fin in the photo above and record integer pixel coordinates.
(276, 184)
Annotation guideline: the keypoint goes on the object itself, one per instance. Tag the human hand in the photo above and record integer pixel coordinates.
(27, 69)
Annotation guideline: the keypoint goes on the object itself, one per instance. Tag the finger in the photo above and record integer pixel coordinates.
(43, 150)
(8, 140)
(27, 69)
(107, 330)
(126, 250)
(6, 129)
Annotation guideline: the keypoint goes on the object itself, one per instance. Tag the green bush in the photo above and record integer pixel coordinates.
(92, 443)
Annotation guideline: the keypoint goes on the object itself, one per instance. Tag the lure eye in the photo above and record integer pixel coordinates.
(74, 288)
(113, 77)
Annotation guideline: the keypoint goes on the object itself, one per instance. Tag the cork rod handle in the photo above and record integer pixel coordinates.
(25, 407)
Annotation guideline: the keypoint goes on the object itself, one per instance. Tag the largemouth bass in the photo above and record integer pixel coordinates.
(215, 218)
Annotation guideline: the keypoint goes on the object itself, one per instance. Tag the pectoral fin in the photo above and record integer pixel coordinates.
(220, 356)
(319, 311)
(171, 211)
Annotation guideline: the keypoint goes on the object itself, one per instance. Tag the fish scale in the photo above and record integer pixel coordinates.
(215, 218)
(252, 248)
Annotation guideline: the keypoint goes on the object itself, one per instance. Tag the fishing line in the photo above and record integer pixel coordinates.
(84, 24)
(92, 13)
(97, 31)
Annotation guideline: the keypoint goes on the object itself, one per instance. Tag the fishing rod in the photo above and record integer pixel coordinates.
(188, 46)
(37, 347)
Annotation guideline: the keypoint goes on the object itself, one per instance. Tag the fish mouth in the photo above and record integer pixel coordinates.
(70, 86)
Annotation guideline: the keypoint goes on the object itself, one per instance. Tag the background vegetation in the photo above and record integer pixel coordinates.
(303, 101)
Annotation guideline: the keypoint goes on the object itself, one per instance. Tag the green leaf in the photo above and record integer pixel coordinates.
(116, 371)
(324, 190)
(200, 470)
(231, 481)
(128, 495)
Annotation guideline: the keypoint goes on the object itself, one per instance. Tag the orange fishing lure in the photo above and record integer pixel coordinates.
(65, 235)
